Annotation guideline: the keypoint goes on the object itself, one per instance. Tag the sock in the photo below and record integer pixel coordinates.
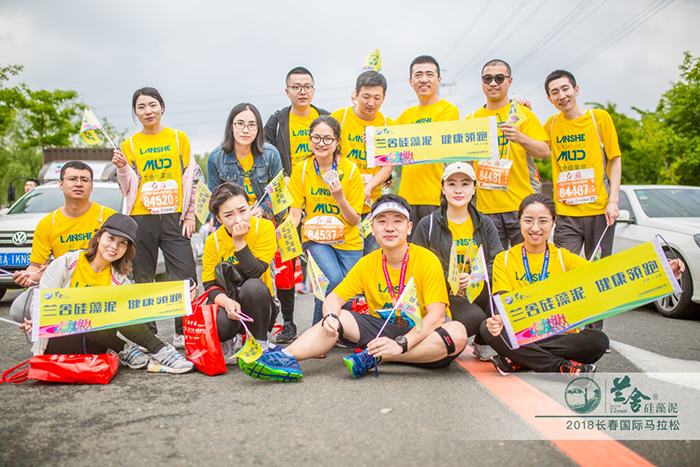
(286, 352)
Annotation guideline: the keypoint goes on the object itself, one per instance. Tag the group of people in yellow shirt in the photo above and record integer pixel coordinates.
(325, 164)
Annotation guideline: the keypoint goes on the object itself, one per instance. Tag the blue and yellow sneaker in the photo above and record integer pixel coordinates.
(273, 364)
(360, 363)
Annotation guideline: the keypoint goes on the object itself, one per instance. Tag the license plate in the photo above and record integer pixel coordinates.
(14, 259)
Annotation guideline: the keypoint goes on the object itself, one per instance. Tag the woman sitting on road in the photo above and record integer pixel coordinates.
(331, 188)
(457, 220)
(106, 261)
(569, 353)
(237, 259)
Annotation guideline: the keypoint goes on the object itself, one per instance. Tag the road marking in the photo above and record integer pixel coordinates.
(591, 449)
(674, 370)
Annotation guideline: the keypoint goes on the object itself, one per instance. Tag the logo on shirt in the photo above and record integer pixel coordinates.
(304, 132)
(155, 150)
(302, 148)
(326, 208)
(573, 155)
(355, 139)
(572, 138)
(79, 237)
(424, 120)
(357, 154)
(157, 164)
(320, 191)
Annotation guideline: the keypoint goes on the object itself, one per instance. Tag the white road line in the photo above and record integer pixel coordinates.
(682, 372)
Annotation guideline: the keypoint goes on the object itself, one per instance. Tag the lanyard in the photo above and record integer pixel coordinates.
(318, 170)
(545, 265)
(402, 277)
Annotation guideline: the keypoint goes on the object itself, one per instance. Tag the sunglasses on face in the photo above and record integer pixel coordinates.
(499, 78)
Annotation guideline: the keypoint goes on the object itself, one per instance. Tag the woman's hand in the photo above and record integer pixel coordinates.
(495, 325)
(463, 280)
(118, 158)
(336, 190)
(678, 267)
(233, 311)
(26, 326)
(188, 227)
(240, 230)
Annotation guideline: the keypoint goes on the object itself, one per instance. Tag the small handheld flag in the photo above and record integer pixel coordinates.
(373, 62)
(88, 126)
(251, 351)
(319, 282)
(280, 195)
(478, 275)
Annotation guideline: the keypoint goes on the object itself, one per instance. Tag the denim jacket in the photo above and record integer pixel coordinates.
(223, 168)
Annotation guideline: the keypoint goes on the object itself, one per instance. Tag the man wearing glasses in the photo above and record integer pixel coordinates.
(501, 188)
(420, 183)
(68, 228)
(288, 128)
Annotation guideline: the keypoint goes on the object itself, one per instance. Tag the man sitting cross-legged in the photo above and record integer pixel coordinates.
(381, 276)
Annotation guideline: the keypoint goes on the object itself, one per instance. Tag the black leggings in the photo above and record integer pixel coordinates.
(545, 356)
(97, 342)
(471, 315)
(256, 302)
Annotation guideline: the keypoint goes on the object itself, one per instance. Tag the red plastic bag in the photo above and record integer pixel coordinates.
(284, 277)
(202, 346)
(75, 369)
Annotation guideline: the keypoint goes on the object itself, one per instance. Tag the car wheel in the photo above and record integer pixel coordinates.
(680, 305)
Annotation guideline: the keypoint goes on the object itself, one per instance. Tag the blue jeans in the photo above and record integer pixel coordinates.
(334, 263)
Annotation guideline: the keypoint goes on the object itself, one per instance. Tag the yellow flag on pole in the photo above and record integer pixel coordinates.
(319, 282)
(288, 239)
(88, 136)
(201, 204)
(366, 226)
(251, 350)
(516, 116)
(453, 271)
(373, 62)
(408, 307)
(280, 195)
(478, 275)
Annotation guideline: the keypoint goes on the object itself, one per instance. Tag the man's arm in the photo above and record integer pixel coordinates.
(537, 149)
(612, 212)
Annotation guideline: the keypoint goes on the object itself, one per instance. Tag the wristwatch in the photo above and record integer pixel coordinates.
(401, 340)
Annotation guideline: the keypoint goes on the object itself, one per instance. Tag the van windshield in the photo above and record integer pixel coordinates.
(49, 198)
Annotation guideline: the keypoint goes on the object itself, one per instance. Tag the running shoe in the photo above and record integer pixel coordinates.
(132, 357)
(573, 368)
(484, 352)
(360, 363)
(229, 350)
(273, 364)
(505, 365)
(288, 333)
(179, 341)
(169, 360)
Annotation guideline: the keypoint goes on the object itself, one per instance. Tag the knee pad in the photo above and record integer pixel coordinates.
(446, 339)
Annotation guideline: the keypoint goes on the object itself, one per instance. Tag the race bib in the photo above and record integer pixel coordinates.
(576, 187)
(325, 229)
(492, 174)
(160, 197)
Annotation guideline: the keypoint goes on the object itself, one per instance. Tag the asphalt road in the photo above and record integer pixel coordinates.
(407, 416)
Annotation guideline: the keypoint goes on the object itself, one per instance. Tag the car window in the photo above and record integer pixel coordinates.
(669, 202)
(49, 199)
(624, 202)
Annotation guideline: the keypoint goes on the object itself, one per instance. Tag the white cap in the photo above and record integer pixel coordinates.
(391, 206)
(459, 168)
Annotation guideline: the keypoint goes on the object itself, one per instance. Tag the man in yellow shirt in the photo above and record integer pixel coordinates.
(288, 130)
(518, 144)
(420, 183)
(368, 96)
(381, 276)
(586, 171)
(68, 228)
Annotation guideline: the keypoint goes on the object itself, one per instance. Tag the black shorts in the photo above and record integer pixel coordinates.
(370, 325)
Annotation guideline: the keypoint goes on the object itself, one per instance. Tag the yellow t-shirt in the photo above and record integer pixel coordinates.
(367, 276)
(306, 186)
(352, 147)
(420, 183)
(576, 145)
(85, 276)
(247, 164)
(509, 274)
(56, 234)
(299, 136)
(463, 234)
(219, 248)
(157, 158)
(523, 178)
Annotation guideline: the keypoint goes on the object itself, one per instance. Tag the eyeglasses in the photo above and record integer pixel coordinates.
(239, 125)
(498, 78)
(297, 88)
(316, 139)
(75, 179)
(529, 221)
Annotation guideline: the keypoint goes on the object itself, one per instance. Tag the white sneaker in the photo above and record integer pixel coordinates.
(132, 357)
(178, 341)
(169, 360)
(228, 348)
(484, 352)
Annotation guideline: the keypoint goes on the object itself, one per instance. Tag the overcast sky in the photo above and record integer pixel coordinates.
(207, 56)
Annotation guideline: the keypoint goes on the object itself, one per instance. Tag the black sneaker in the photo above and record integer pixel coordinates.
(504, 365)
(288, 333)
(573, 368)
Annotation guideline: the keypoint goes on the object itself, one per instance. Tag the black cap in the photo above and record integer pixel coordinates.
(121, 225)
